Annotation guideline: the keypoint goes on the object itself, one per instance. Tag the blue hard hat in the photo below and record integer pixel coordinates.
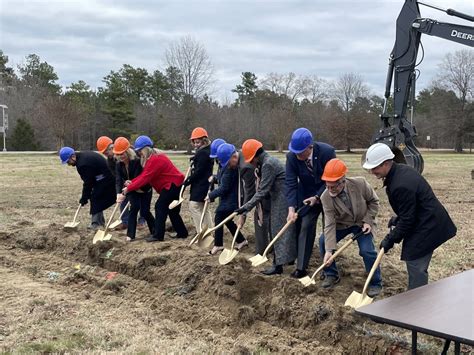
(224, 152)
(142, 142)
(300, 140)
(65, 153)
(216, 143)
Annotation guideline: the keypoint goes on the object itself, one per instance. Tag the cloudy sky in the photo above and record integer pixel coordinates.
(85, 39)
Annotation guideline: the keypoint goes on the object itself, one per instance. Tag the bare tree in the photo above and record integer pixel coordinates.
(314, 88)
(457, 74)
(346, 90)
(192, 60)
(290, 85)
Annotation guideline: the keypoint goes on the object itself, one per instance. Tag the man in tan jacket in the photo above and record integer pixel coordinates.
(350, 206)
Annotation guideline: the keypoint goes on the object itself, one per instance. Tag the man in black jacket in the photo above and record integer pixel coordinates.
(99, 184)
(422, 223)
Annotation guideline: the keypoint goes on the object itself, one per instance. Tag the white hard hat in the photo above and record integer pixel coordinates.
(376, 155)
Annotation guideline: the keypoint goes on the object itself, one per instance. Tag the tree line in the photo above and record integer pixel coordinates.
(168, 104)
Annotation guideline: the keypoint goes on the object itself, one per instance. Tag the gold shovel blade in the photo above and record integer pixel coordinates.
(99, 235)
(175, 203)
(107, 237)
(227, 256)
(306, 281)
(71, 225)
(206, 241)
(258, 260)
(115, 224)
(195, 238)
(356, 300)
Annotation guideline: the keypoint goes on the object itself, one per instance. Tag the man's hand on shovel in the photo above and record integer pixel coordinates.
(327, 257)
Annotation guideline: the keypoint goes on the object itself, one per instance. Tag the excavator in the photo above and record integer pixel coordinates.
(397, 131)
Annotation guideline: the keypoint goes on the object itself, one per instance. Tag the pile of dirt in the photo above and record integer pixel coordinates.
(186, 286)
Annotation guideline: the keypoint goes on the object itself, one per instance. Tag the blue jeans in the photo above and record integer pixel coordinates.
(366, 250)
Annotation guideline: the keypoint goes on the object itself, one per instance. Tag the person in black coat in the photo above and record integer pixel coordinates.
(201, 169)
(228, 193)
(127, 168)
(421, 221)
(99, 184)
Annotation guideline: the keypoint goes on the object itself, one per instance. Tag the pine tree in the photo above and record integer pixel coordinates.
(23, 137)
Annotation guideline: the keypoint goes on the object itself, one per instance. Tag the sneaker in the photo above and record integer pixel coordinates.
(94, 226)
(374, 290)
(330, 281)
(152, 239)
(176, 236)
(273, 270)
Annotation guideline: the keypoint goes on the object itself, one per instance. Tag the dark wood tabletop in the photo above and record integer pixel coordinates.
(443, 309)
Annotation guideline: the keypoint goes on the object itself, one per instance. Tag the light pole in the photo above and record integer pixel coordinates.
(4, 127)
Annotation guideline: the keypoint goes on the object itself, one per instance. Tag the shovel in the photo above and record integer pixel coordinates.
(306, 281)
(100, 235)
(69, 226)
(207, 239)
(176, 203)
(202, 229)
(119, 220)
(356, 300)
(261, 259)
(227, 255)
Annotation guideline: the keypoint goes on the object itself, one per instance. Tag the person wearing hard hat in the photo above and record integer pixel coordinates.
(305, 163)
(201, 170)
(105, 146)
(228, 194)
(421, 221)
(129, 167)
(166, 179)
(215, 144)
(270, 183)
(350, 206)
(98, 182)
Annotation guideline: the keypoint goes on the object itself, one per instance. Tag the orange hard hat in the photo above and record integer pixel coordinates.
(121, 144)
(103, 143)
(334, 170)
(198, 132)
(250, 148)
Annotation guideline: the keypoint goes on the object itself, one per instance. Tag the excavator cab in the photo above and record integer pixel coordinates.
(397, 131)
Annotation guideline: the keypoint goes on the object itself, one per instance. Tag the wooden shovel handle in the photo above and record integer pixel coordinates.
(111, 217)
(235, 237)
(125, 208)
(334, 256)
(76, 214)
(182, 187)
(228, 218)
(372, 271)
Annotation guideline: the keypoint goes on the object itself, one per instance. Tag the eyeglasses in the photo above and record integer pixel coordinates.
(334, 187)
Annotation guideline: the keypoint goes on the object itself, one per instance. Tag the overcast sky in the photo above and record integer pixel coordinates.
(85, 39)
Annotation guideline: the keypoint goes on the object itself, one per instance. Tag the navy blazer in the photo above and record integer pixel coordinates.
(299, 178)
(227, 191)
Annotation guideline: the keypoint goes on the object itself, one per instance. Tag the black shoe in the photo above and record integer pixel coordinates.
(176, 236)
(330, 281)
(298, 274)
(274, 270)
(154, 239)
(374, 290)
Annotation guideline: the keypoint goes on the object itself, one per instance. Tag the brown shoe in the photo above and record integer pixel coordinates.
(122, 227)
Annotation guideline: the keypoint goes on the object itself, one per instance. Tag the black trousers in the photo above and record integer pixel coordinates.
(140, 202)
(231, 226)
(306, 236)
(162, 212)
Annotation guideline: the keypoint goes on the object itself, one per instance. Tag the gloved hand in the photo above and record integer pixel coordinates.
(241, 210)
(83, 201)
(187, 182)
(392, 222)
(386, 244)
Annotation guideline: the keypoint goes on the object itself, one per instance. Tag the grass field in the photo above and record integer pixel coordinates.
(171, 298)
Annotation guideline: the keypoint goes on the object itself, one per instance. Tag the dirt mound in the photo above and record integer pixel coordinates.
(186, 286)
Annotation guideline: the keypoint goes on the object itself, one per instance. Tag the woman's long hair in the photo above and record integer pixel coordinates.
(147, 153)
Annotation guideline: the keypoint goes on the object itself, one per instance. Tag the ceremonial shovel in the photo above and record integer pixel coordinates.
(101, 235)
(356, 300)
(176, 203)
(306, 281)
(69, 226)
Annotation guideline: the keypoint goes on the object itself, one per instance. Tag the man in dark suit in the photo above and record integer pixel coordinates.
(422, 223)
(304, 167)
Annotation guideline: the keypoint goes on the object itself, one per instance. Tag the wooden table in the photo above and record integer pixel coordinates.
(443, 309)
